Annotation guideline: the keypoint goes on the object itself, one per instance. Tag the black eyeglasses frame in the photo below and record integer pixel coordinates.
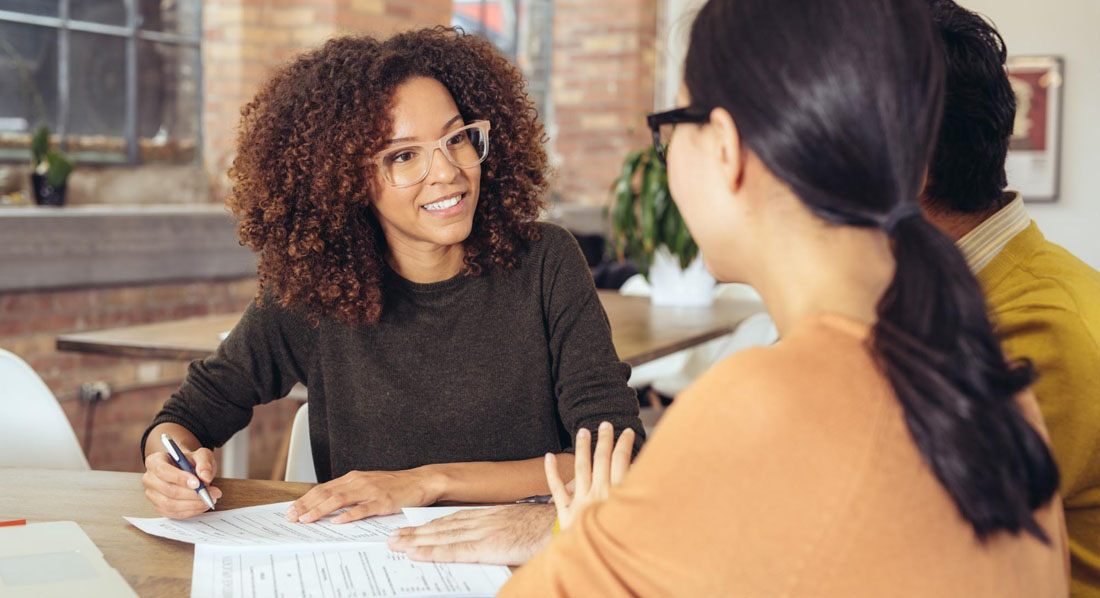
(688, 114)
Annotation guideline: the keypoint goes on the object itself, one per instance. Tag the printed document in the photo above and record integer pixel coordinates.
(266, 525)
(347, 571)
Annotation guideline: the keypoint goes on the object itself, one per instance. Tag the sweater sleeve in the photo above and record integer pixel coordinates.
(1066, 357)
(590, 382)
(263, 357)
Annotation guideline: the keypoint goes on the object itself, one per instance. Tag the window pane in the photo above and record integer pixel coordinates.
(97, 96)
(43, 8)
(168, 102)
(108, 12)
(28, 97)
(170, 16)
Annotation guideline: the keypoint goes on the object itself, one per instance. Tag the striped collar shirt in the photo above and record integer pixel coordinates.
(982, 244)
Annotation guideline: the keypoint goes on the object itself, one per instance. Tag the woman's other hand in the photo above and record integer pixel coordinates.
(368, 493)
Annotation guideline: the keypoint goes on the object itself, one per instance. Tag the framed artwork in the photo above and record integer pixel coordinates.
(1033, 150)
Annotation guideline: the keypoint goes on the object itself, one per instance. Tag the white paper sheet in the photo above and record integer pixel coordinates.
(266, 525)
(422, 515)
(346, 571)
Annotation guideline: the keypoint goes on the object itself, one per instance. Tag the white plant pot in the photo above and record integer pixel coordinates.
(673, 286)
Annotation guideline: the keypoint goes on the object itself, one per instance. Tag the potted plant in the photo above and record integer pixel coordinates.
(51, 170)
(646, 227)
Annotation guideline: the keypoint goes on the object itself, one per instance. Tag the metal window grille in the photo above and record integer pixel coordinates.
(93, 55)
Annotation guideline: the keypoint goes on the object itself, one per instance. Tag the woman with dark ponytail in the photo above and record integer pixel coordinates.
(883, 447)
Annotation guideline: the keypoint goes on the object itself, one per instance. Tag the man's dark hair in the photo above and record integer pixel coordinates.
(967, 171)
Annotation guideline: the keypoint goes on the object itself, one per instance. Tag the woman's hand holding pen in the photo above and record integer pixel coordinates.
(594, 476)
(172, 490)
(368, 493)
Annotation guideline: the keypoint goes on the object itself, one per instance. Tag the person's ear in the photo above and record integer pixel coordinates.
(727, 145)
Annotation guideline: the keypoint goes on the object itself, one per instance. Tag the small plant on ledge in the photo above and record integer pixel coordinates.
(51, 170)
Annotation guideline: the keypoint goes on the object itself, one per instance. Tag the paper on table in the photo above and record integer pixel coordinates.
(422, 515)
(349, 570)
(266, 525)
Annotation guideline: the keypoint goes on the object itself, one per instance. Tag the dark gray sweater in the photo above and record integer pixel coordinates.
(500, 367)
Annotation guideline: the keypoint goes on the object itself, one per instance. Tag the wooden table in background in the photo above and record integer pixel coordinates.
(97, 500)
(641, 332)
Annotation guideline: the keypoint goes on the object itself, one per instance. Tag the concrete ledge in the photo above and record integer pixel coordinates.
(101, 245)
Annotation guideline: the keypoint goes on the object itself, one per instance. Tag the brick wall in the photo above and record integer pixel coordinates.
(244, 39)
(117, 426)
(31, 321)
(602, 88)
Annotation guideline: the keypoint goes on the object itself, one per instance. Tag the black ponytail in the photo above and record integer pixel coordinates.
(935, 344)
(841, 100)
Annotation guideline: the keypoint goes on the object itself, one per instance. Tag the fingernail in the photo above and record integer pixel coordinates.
(549, 457)
(605, 427)
(192, 482)
(291, 514)
(583, 433)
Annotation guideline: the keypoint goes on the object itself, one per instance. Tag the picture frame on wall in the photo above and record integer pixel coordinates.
(1033, 151)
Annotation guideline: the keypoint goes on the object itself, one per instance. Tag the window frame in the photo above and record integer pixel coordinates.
(133, 34)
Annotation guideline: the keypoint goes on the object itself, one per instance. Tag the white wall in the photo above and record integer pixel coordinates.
(1066, 28)
(1060, 27)
(675, 26)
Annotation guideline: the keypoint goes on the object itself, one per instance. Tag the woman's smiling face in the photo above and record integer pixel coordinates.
(439, 210)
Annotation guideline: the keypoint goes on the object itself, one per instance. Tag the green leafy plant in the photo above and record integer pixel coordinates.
(40, 144)
(51, 163)
(644, 217)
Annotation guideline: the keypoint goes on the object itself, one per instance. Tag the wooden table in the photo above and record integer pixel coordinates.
(641, 332)
(97, 500)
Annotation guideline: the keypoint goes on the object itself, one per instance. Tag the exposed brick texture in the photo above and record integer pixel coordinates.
(602, 88)
(117, 425)
(31, 321)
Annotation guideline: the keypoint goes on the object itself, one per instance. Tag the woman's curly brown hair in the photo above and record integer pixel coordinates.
(303, 178)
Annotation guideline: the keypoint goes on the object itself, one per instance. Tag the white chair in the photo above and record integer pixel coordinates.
(299, 457)
(672, 373)
(34, 432)
(754, 331)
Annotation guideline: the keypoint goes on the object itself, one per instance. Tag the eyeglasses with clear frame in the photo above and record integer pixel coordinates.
(664, 123)
(407, 164)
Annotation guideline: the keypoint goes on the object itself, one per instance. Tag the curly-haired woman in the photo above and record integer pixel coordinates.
(448, 340)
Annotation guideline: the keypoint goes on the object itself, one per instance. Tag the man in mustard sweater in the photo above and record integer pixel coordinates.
(1045, 303)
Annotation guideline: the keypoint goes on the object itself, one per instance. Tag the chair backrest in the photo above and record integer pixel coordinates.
(34, 432)
(299, 458)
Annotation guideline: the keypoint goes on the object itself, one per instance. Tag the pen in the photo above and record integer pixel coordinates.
(540, 499)
(184, 464)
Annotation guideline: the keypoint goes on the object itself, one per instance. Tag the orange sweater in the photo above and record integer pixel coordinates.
(789, 471)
